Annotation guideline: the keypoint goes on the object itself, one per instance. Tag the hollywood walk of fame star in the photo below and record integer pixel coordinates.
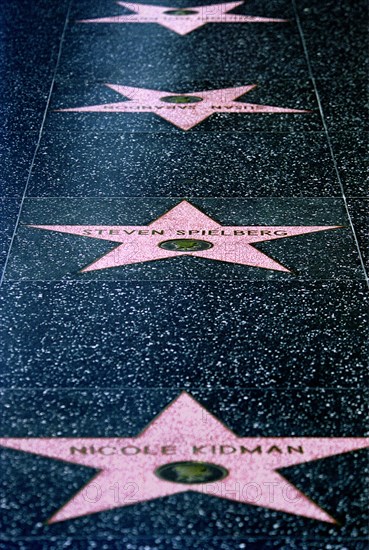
(183, 110)
(182, 20)
(186, 448)
(185, 230)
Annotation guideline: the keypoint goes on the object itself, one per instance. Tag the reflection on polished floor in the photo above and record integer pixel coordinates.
(184, 290)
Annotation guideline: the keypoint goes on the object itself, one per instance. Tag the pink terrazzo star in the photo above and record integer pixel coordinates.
(187, 449)
(183, 110)
(182, 20)
(185, 230)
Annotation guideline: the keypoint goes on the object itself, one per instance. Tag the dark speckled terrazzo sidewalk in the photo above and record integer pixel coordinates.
(184, 300)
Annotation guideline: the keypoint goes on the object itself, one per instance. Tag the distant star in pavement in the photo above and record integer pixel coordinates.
(184, 110)
(182, 20)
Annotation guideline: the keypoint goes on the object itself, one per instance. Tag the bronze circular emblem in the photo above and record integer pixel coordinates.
(180, 12)
(185, 245)
(191, 472)
(181, 99)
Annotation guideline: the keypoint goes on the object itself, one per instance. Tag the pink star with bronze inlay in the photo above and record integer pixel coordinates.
(183, 110)
(186, 448)
(182, 20)
(185, 230)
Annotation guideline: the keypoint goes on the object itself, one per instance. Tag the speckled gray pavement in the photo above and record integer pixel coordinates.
(101, 354)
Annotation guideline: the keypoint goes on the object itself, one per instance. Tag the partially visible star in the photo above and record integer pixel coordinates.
(182, 20)
(184, 110)
(186, 448)
(185, 230)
